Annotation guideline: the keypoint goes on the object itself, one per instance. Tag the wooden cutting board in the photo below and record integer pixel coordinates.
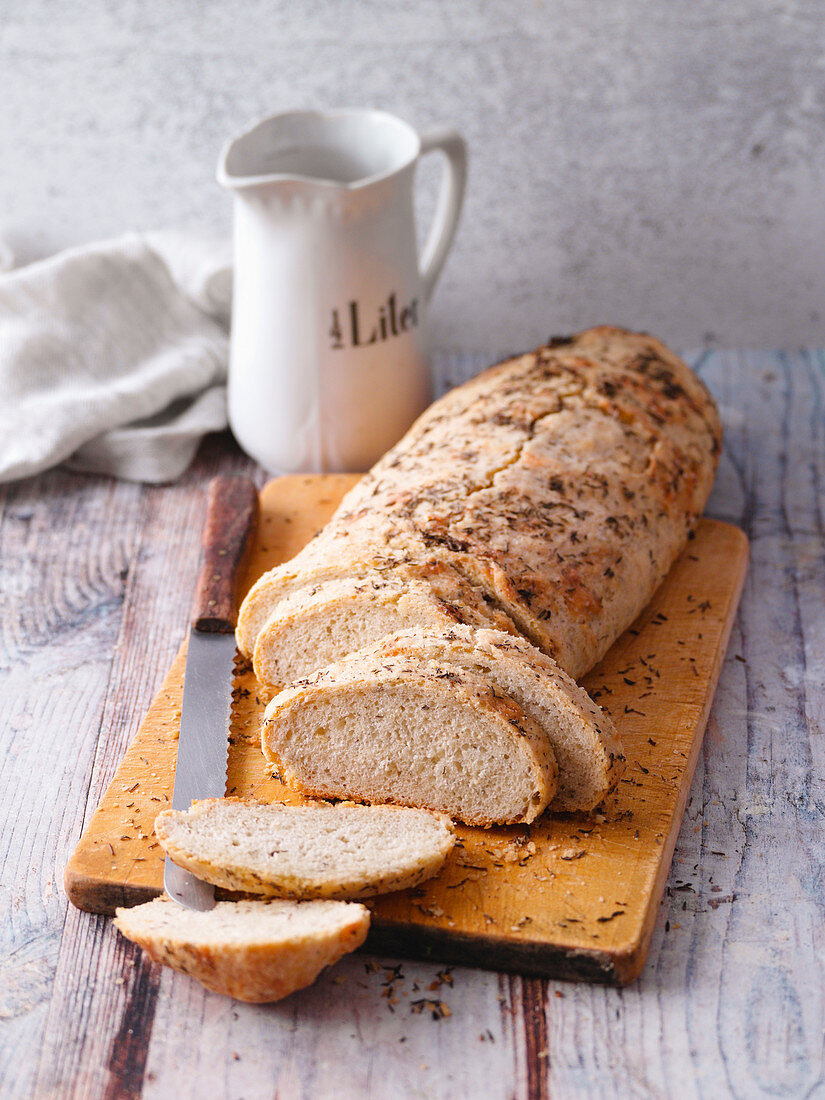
(569, 896)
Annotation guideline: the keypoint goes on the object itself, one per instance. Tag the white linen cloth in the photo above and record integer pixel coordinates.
(113, 357)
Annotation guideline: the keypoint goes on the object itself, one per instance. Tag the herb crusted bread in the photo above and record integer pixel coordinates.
(562, 484)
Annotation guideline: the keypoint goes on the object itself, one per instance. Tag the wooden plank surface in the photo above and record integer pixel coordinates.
(570, 896)
(95, 579)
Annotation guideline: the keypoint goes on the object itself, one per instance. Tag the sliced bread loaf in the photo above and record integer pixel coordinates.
(251, 950)
(413, 731)
(313, 851)
(584, 740)
(563, 483)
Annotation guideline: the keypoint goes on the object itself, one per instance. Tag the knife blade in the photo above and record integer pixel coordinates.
(200, 770)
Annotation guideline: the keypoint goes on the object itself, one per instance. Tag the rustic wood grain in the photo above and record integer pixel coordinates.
(569, 896)
(732, 999)
(62, 604)
(161, 534)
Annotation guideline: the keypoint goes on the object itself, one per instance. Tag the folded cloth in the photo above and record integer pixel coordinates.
(113, 357)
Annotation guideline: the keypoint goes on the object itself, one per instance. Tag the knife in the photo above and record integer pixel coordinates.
(200, 772)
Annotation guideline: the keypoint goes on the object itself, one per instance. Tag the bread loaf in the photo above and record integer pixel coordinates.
(561, 484)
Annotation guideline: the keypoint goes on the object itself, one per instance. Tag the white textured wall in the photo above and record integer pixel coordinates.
(658, 164)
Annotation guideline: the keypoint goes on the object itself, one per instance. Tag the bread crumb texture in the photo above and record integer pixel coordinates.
(318, 850)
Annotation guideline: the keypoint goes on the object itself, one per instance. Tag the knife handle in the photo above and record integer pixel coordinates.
(231, 518)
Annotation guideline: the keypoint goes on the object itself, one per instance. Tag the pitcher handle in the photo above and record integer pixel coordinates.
(450, 200)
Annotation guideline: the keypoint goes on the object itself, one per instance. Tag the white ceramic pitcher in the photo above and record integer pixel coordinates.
(329, 348)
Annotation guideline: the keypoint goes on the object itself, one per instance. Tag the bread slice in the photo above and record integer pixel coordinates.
(584, 740)
(358, 556)
(313, 851)
(277, 584)
(318, 625)
(251, 950)
(412, 731)
(383, 570)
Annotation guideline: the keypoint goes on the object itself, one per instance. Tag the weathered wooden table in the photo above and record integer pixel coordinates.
(96, 582)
